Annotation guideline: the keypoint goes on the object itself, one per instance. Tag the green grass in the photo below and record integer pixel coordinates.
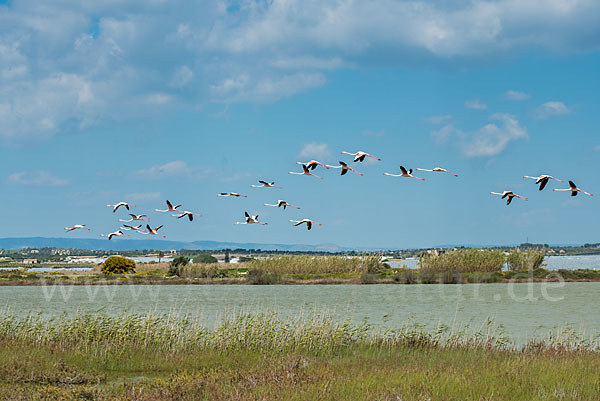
(248, 357)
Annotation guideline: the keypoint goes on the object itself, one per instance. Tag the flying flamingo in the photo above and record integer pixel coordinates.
(190, 215)
(170, 208)
(265, 185)
(344, 168)
(573, 189)
(113, 234)
(152, 231)
(76, 227)
(543, 180)
(282, 203)
(251, 220)
(509, 195)
(306, 171)
(360, 156)
(313, 164)
(406, 174)
(131, 228)
(235, 194)
(308, 223)
(437, 170)
(135, 217)
(118, 205)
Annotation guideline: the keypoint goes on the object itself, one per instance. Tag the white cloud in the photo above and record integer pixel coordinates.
(314, 150)
(552, 109)
(180, 169)
(475, 104)
(439, 119)
(490, 140)
(176, 168)
(36, 178)
(69, 65)
(516, 95)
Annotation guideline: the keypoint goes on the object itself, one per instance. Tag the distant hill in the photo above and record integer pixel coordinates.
(131, 244)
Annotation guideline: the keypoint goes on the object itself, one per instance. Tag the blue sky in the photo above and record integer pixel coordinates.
(163, 100)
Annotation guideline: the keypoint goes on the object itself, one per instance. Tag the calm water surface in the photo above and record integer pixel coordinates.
(524, 310)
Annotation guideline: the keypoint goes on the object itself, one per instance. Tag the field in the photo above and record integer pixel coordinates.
(254, 357)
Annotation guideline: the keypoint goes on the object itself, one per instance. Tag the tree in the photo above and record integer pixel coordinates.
(118, 265)
(204, 258)
(177, 265)
(227, 256)
(161, 255)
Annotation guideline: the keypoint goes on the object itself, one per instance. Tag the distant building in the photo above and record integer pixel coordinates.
(30, 261)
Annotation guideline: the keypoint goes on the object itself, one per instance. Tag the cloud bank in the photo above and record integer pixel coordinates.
(71, 65)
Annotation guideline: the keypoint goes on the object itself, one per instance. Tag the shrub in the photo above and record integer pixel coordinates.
(367, 278)
(201, 270)
(464, 260)
(261, 277)
(177, 265)
(118, 265)
(204, 258)
(525, 260)
(406, 276)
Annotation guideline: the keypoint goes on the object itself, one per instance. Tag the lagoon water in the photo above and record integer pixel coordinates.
(551, 262)
(523, 310)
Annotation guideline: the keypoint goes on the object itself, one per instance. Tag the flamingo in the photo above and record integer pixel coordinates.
(113, 234)
(308, 223)
(266, 185)
(190, 215)
(509, 195)
(77, 227)
(282, 203)
(360, 156)
(313, 164)
(542, 180)
(151, 231)
(251, 220)
(118, 205)
(344, 168)
(306, 171)
(235, 194)
(131, 228)
(170, 208)
(406, 174)
(135, 217)
(437, 170)
(574, 189)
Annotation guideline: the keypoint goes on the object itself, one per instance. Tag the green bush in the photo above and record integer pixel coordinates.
(525, 260)
(204, 258)
(406, 276)
(118, 265)
(261, 277)
(463, 261)
(177, 265)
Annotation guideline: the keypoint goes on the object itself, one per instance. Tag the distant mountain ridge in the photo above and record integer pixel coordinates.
(133, 245)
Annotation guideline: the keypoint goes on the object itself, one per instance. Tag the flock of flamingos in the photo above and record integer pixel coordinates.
(307, 169)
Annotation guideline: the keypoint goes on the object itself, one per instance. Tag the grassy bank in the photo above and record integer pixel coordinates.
(247, 357)
(455, 267)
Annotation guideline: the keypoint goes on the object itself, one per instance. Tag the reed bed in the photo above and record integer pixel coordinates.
(525, 260)
(464, 261)
(308, 264)
(315, 333)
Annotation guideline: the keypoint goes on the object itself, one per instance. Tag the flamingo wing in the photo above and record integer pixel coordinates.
(543, 183)
(403, 170)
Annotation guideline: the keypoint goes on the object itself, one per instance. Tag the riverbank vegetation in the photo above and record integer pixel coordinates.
(264, 356)
(452, 267)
